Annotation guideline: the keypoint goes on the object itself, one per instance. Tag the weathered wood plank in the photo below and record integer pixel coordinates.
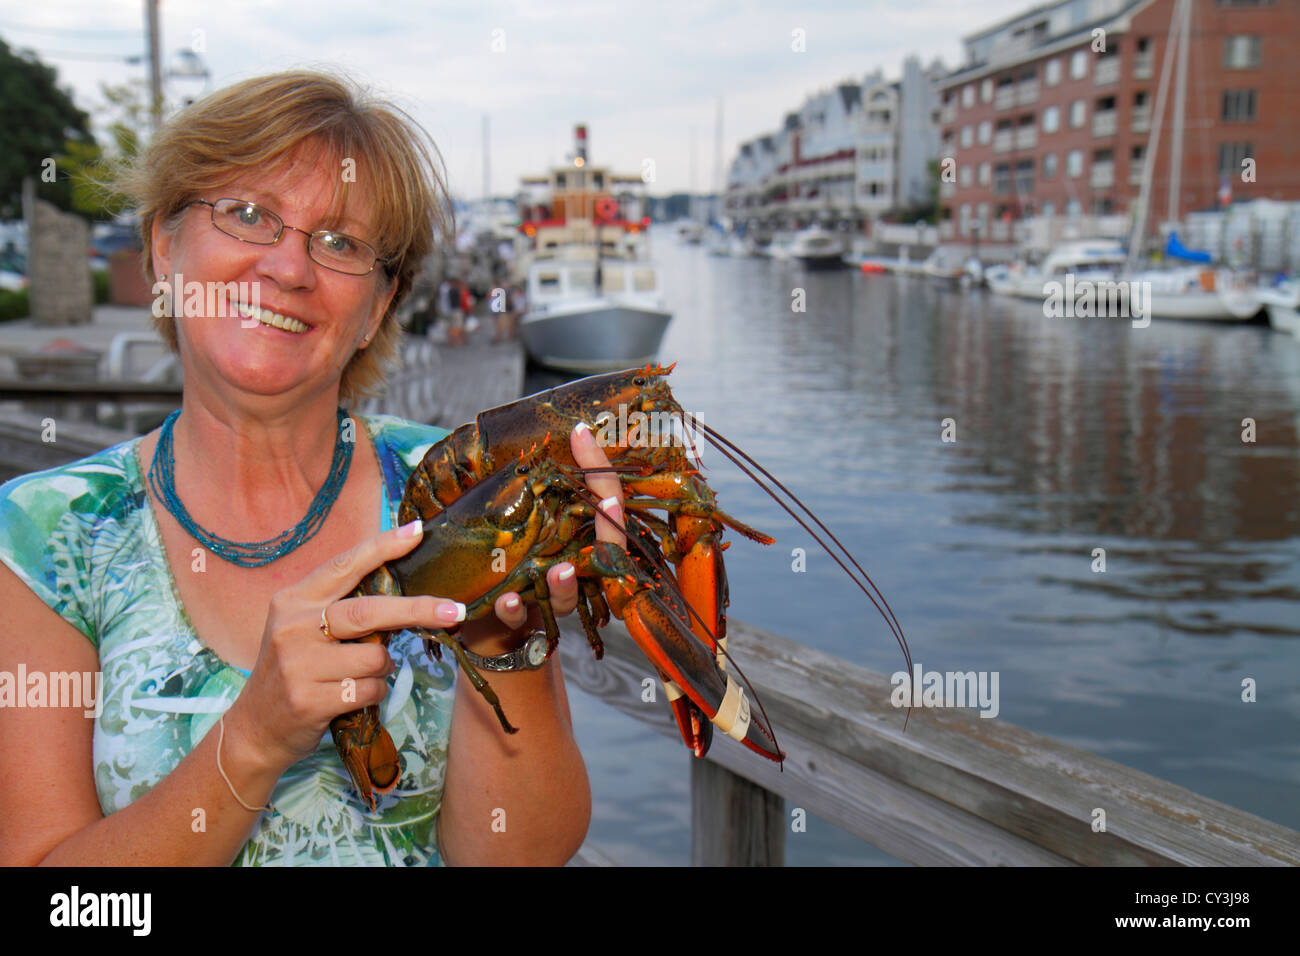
(955, 787)
(475, 377)
(23, 450)
(105, 391)
(911, 826)
(734, 822)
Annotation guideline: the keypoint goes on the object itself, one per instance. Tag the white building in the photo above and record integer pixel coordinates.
(846, 156)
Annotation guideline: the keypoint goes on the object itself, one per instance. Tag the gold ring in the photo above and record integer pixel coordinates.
(324, 623)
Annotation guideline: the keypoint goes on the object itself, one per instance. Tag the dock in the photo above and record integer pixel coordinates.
(100, 393)
(952, 789)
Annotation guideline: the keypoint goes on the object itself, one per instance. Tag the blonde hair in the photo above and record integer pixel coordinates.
(259, 125)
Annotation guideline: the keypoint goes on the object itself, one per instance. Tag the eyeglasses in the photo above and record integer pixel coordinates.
(249, 222)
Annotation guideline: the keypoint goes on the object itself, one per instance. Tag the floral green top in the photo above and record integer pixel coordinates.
(84, 539)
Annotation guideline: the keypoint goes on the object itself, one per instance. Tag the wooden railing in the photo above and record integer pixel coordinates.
(954, 788)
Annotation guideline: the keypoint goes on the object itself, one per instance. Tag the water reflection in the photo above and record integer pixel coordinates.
(1072, 435)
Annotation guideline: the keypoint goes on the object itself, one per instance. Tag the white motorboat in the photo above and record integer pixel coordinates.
(594, 300)
(819, 248)
(1093, 259)
(690, 232)
(588, 316)
(1283, 304)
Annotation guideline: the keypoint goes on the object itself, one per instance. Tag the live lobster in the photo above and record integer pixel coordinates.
(513, 467)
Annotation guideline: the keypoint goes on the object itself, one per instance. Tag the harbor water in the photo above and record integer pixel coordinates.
(1071, 435)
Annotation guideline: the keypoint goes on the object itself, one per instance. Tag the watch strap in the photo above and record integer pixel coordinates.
(516, 660)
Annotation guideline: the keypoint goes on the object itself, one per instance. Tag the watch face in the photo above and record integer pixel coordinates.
(536, 651)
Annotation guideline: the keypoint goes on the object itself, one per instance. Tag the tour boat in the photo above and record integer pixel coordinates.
(595, 303)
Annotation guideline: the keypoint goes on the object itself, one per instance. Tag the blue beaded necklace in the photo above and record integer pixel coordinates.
(250, 554)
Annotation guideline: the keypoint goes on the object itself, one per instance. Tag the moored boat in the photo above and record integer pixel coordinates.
(819, 248)
(594, 299)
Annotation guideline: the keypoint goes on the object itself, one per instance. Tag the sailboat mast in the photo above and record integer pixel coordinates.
(1153, 140)
(1180, 107)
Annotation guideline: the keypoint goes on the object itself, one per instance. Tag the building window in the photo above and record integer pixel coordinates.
(1240, 52)
(986, 91)
(967, 137)
(1073, 208)
(1231, 156)
(1051, 119)
(1002, 179)
(968, 96)
(965, 218)
(1078, 113)
(1049, 166)
(1074, 163)
(1079, 64)
(1238, 106)
(1052, 72)
(985, 133)
(965, 176)
(1025, 177)
(1049, 208)
(986, 174)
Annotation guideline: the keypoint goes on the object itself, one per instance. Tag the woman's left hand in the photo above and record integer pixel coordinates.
(486, 636)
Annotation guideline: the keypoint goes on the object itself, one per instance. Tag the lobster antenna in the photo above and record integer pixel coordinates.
(890, 619)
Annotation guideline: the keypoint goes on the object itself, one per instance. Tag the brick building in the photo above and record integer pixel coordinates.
(1052, 113)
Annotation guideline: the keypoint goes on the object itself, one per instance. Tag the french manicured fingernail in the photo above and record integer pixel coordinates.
(412, 530)
(583, 431)
(451, 611)
(566, 572)
(611, 507)
(512, 602)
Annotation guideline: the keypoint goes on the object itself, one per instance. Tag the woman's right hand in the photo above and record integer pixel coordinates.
(298, 684)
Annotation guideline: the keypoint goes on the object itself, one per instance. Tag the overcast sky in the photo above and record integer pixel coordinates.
(642, 75)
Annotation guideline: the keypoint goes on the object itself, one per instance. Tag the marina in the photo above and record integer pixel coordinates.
(1022, 329)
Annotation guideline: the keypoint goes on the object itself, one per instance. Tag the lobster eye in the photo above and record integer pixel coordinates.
(639, 381)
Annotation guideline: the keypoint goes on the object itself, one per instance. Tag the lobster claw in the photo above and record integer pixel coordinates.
(368, 752)
(694, 726)
(657, 619)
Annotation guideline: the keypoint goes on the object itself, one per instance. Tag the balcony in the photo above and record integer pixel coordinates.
(1005, 98)
(999, 230)
(1026, 137)
(1142, 121)
(1142, 66)
(1002, 141)
(1027, 93)
(1102, 175)
(1103, 124)
(1135, 171)
(948, 113)
(1107, 70)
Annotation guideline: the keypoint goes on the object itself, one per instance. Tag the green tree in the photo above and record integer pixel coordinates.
(40, 121)
(90, 167)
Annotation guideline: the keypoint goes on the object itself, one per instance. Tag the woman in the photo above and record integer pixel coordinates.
(162, 563)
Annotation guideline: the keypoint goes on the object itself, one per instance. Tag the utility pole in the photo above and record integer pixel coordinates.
(487, 159)
(155, 61)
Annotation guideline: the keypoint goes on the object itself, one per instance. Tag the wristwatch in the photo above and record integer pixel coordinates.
(529, 656)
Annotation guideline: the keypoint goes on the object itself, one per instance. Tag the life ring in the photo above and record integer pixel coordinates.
(606, 208)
